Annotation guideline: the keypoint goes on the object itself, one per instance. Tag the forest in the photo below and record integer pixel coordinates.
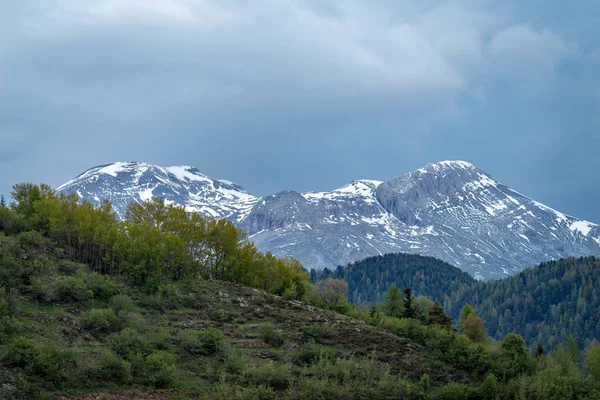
(544, 304)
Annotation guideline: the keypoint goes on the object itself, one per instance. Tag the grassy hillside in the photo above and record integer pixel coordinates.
(69, 330)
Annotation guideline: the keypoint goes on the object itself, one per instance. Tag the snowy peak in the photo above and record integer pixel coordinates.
(125, 182)
(450, 210)
(361, 189)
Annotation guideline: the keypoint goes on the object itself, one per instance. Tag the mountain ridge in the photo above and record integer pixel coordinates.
(450, 210)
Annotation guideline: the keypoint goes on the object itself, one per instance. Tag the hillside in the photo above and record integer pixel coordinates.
(543, 304)
(143, 341)
(450, 210)
(170, 305)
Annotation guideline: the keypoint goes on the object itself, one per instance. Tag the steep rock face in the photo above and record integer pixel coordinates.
(449, 210)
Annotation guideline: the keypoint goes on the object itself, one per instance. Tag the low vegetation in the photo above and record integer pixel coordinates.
(172, 306)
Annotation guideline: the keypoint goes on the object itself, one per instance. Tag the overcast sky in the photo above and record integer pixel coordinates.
(306, 94)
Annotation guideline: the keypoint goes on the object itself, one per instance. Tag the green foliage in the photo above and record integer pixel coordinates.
(129, 342)
(275, 376)
(425, 383)
(311, 352)
(160, 369)
(513, 358)
(394, 304)
(453, 391)
(121, 303)
(102, 321)
(592, 361)
(102, 286)
(48, 361)
(271, 335)
(71, 288)
(114, 369)
(318, 333)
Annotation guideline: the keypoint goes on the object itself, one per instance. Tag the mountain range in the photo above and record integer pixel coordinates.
(449, 210)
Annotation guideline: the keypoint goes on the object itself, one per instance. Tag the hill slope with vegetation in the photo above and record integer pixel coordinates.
(171, 306)
(544, 304)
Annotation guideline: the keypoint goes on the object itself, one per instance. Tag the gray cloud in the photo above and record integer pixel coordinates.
(299, 95)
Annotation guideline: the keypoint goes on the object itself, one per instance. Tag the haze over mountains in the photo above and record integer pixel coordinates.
(449, 210)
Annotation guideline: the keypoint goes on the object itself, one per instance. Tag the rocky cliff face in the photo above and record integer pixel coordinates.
(449, 210)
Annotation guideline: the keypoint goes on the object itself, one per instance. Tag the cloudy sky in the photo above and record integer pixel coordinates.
(306, 94)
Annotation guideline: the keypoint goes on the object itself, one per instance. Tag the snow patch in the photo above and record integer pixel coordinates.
(582, 226)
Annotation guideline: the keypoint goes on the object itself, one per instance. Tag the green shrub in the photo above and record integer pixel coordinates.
(160, 369)
(276, 376)
(311, 352)
(236, 363)
(9, 302)
(102, 320)
(50, 360)
(211, 341)
(271, 335)
(32, 239)
(19, 353)
(115, 369)
(453, 391)
(71, 288)
(121, 303)
(128, 342)
(8, 326)
(190, 342)
(318, 332)
(102, 286)
(46, 360)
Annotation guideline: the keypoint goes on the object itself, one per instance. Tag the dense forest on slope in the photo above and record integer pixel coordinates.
(543, 304)
(173, 306)
(369, 279)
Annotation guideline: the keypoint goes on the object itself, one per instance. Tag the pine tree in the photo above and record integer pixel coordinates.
(437, 316)
(539, 350)
(409, 311)
(2, 201)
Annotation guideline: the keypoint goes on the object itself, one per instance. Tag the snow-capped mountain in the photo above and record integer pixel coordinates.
(449, 210)
(125, 182)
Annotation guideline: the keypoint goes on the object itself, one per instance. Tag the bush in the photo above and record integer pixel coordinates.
(318, 332)
(211, 341)
(20, 353)
(121, 303)
(46, 360)
(190, 342)
(102, 320)
(453, 391)
(114, 369)
(236, 363)
(71, 288)
(271, 335)
(278, 377)
(9, 302)
(160, 370)
(128, 342)
(32, 239)
(102, 286)
(8, 326)
(311, 352)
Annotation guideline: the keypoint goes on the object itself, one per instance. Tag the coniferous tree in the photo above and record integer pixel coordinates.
(539, 350)
(393, 305)
(2, 201)
(409, 311)
(437, 316)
